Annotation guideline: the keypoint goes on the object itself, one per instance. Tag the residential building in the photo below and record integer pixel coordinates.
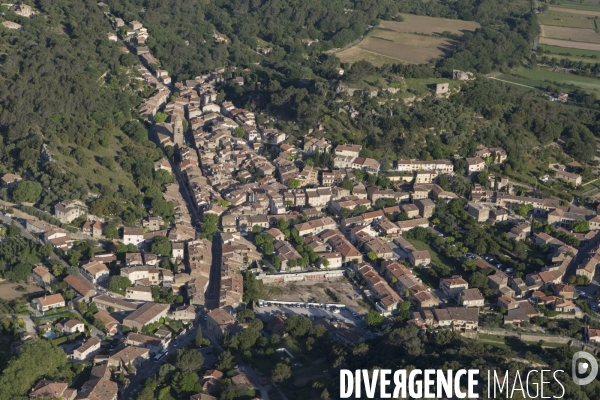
(146, 314)
(471, 298)
(46, 389)
(96, 271)
(70, 326)
(475, 164)
(419, 258)
(49, 302)
(142, 293)
(109, 322)
(454, 285)
(570, 177)
(66, 211)
(98, 389)
(82, 287)
(89, 348)
(42, 276)
(133, 356)
(152, 343)
(220, 321)
(11, 180)
(425, 207)
(133, 236)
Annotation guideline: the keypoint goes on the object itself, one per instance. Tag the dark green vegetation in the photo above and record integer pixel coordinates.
(405, 348)
(18, 255)
(63, 86)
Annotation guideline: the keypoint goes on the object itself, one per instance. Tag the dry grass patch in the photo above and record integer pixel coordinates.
(354, 54)
(412, 49)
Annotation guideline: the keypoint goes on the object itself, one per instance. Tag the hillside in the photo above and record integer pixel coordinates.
(63, 85)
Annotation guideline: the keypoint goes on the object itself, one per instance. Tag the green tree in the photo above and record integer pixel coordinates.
(581, 226)
(118, 283)
(482, 178)
(374, 319)
(523, 209)
(198, 340)
(37, 358)
(111, 231)
(469, 265)
(161, 246)
(293, 183)
(225, 361)
(372, 255)
(283, 224)
(281, 372)
(239, 132)
(251, 290)
(347, 184)
(13, 230)
(27, 192)
(189, 360)
(160, 117)
(186, 383)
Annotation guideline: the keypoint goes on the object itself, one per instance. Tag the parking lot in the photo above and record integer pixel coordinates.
(491, 260)
(343, 315)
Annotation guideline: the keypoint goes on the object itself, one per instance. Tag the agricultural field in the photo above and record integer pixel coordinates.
(570, 44)
(570, 34)
(567, 19)
(541, 79)
(428, 25)
(571, 5)
(416, 40)
(565, 51)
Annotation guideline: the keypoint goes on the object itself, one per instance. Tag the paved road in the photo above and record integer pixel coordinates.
(213, 292)
(512, 83)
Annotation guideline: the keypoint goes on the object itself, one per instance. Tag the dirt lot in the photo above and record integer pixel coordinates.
(315, 292)
(570, 44)
(8, 292)
(574, 34)
(428, 25)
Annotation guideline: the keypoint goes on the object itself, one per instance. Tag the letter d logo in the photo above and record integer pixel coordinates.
(582, 367)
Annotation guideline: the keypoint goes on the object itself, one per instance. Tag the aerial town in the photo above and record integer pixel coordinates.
(262, 254)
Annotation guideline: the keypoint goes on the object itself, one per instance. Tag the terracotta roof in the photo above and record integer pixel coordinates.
(41, 270)
(146, 312)
(51, 300)
(79, 284)
(48, 389)
(98, 389)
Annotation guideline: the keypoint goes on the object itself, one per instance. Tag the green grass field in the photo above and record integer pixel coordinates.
(566, 51)
(541, 79)
(563, 18)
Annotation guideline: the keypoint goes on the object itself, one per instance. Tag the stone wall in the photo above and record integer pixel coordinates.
(301, 276)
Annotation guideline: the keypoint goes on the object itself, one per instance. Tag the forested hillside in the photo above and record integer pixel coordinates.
(62, 84)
